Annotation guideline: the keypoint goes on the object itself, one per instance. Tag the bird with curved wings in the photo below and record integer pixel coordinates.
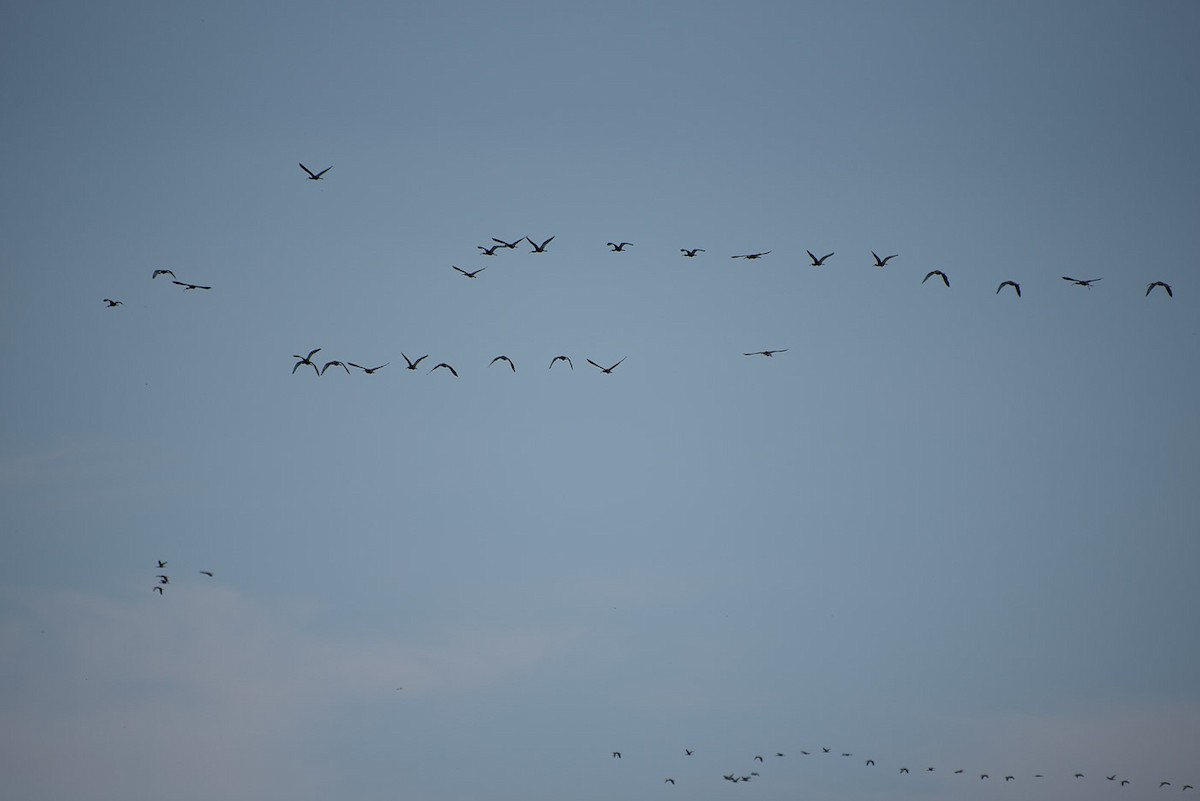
(1163, 284)
(369, 370)
(536, 247)
(411, 364)
(818, 262)
(448, 367)
(938, 273)
(503, 359)
(767, 353)
(1016, 287)
(566, 359)
(469, 274)
(619, 247)
(751, 256)
(691, 254)
(306, 360)
(605, 370)
(315, 176)
(883, 262)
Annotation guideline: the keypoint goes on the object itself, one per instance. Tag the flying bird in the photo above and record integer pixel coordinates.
(758, 758)
(778, 754)
(369, 370)
(1009, 778)
(1087, 282)
(605, 370)
(983, 776)
(904, 770)
(112, 304)
(1078, 775)
(668, 781)
(767, 353)
(616, 754)
(1016, 287)
(751, 255)
(566, 359)
(161, 564)
(870, 763)
(206, 573)
(163, 579)
(503, 359)
(815, 261)
(306, 360)
(1164, 285)
(471, 274)
(539, 248)
(334, 363)
(1164, 784)
(186, 286)
(1124, 782)
(488, 251)
(883, 262)
(315, 176)
(158, 590)
(448, 367)
(932, 273)
(619, 247)
(509, 245)
(411, 364)
(687, 752)
(691, 254)
(157, 273)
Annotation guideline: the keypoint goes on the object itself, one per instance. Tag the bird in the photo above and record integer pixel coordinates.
(870, 763)
(566, 359)
(688, 752)
(471, 274)
(619, 247)
(758, 759)
(1164, 784)
(616, 754)
(804, 753)
(668, 781)
(163, 579)
(815, 261)
(369, 370)
(929, 770)
(1013, 284)
(883, 262)
(539, 248)
(112, 304)
(1087, 282)
(306, 360)
(1124, 782)
(1187, 787)
(778, 754)
(959, 770)
(158, 590)
(448, 367)
(847, 753)
(186, 286)
(904, 770)
(932, 273)
(411, 364)
(1009, 778)
(751, 255)
(161, 564)
(728, 777)
(983, 776)
(1112, 777)
(746, 778)
(157, 273)
(334, 363)
(206, 573)
(1078, 775)
(1164, 285)
(767, 353)
(824, 750)
(605, 370)
(691, 254)
(315, 176)
(503, 359)
(488, 251)
(509, 245)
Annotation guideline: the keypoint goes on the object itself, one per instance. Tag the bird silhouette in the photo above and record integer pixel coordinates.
(815, 261)
(566, 359)
(471, 274)
(334, 363)
(163, 579)
(668, 781)
(488, 251)
(904, 770)
(1163, 284)
(1124, 782)
(503, 359)
(158, 590)
(1112, 777)
(1087, 282)
(619, 247)
(751, 256)
(112, 304)
(1016, 287)
(687, 752)
(883, 262)
(306, 360)
(509, 245)
(369, 370)
(448, 367)
(605, 370)
(206, 573)
(157, 273)
(691, 254)
(932, 273)
(315, 176)
(1009, 778)
(1164, 784)
(1078, 775)
(758, 759)
(767, 353)
(778, 754)
(616, 754)
(870, 763)
(536, 247)
(186, 286)
(983, 776)
(161, 564)
(411, 364)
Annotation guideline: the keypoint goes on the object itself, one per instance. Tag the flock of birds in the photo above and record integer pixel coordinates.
(748, 775)
(164, 579)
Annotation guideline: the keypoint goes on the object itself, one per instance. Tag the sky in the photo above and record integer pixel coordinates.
(944, 527)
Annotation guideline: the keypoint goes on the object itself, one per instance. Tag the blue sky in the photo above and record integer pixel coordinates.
(946, 528)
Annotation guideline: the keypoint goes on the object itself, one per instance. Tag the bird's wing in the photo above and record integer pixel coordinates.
(452, 370)
(593, 364)
(927, 276)
(826, 256)
(418, 361)
(614, 367)
(307, 170)
(327, 169)
(461, 270)
(811, 256)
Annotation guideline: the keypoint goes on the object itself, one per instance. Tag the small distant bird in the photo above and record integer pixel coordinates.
(929, 770)
(161, 564)
(778, 754)
(984, 776)
(1013, 284)
(112, 304)
(186, 286)
(369, 370)
(488, 251)
(932, 273)
(728, 777)
(1124, 782)
(206, 573)
(846, 753)
(815, 261)
(1187, 787)
(158, 590)
(691, 254)
(503, 359)
(539, 248)
(767, 353)
(605, 370)
(904, 770)
(1164, 285)
(619, 247)
(755, 773)
(334, 363)
(758, 759)
(448, 367)
(315, 176)
(668, 781)
(746, 778)
(471, 274)
(411, 364)
(1164, 784)
(566, 359)
(1009, 778)
(157, 273)
(687, 752)
(1078, 775)
(870, 763)
(883, 262)
(509, 245)
(824, 750)
(804, 753)
(616, 754)
(1087, 282)
(751, 255)
(163, 579)
(1112, 777)
(306, 360)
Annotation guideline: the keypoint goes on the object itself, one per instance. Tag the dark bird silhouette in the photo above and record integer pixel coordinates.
(1187, 787)
(206, 573)
(605, 370)
(161, 564)
(1087, 282)
(728, 777)
(1016, 287)
(815, 261)
(566, 359)
(751, 255)
(804, 753)
(846, 753)
(1163, 284)
(616, 754)
(334, 363)
(767, 353)
(983, 776)
(778, 754)
(929, 770)
(1009, 778)
(539, 248)
(758, 759)
(746, 778)
(186, 286)
(112, 304)
(158, 590)
(691, 254)
(315, 176)
(870, 763)
(448, 367)
(369, 370)
(163, 579)
(619, 247)
(824, 750)
(1164, 784)
(157, 273)
(306, 360)
(471, 274)
(509, 245)
(687, 752)
(1078, 775)
(411, 364)
(904, 770)
(503, 359)
(883, 262)
(1124, 782)
(932, 273)
(1112, 777)
(488, 251)
(668, 781)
